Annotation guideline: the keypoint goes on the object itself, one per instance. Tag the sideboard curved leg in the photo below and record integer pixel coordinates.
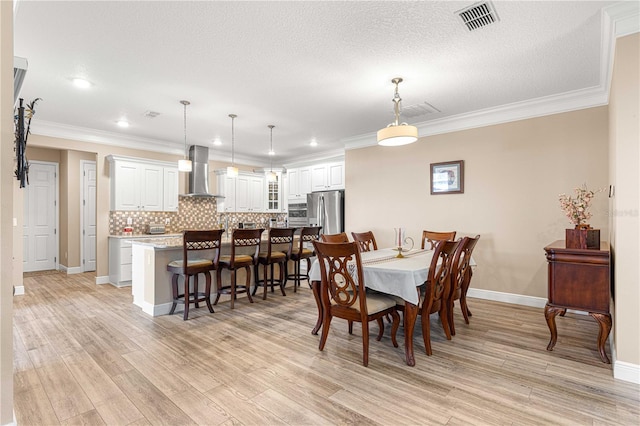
(604, 320)
(550, 313)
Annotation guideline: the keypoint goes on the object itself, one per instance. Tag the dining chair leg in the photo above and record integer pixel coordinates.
(326, 323)
(426, 333)
(449, 316)
(350, 327)
(394, 328)
(380, 329)
(465, 309)
(365, 343)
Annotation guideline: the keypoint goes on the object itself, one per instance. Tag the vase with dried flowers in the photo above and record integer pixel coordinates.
(577, 210)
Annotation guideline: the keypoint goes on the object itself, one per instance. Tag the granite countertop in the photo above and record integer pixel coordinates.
(137, 236)
(170, 241)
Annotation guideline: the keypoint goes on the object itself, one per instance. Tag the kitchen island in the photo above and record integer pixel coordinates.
(151, 282)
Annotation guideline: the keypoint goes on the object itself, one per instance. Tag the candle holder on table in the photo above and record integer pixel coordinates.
(402, 241)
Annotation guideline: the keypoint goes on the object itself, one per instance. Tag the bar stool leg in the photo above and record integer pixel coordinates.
(195, 291)
(218, 285)
(174, 288)
(207, 291)
(186, 298)
(233, 287)
(264, 283)
(247, 285)
(283, 277)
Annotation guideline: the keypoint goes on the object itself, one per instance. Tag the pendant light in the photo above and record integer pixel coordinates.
(185, 165)
(397, 133)
(271, 177)
(232, 170)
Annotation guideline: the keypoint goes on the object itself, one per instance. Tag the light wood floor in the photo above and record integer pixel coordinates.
(85, 355)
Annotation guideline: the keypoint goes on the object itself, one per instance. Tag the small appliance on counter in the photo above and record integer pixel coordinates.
(127, 231)
(156, 229)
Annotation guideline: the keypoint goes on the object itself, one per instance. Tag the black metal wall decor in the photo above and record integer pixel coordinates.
(22, 133)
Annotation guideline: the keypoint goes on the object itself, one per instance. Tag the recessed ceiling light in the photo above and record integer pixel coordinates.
(217, 142)
(81, 83)
(122, 123)
(272, 152)
(313, 142)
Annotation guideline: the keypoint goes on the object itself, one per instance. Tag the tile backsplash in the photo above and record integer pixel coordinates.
(193, 213)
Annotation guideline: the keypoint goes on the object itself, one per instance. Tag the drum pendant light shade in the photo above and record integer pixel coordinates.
(397, 133)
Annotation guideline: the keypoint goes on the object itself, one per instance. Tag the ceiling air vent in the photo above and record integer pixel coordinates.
(478, 15)
(151, 114)
(417, 110)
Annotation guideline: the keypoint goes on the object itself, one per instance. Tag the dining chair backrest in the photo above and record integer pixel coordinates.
(438, 279)
(431, 237)
(342, 284)
(245, 239)
(460, 267)
(335, 238)
(201, 240)
(279, 237)
(366, 240)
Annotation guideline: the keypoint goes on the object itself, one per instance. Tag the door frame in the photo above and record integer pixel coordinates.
(56, 212)
(82, 207)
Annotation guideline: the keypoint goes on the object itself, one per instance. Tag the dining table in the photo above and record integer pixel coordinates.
(385, 272)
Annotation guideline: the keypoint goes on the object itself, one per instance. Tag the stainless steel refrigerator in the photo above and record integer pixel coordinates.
(326, 209)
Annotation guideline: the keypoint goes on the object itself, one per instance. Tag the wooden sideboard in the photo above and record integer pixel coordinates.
(579, 279)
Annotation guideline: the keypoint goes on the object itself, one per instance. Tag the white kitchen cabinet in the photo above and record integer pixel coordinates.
(170, 189)
(327, 176)
(299, 180)
(274, 193)
(245, 193)
(120, 262)
(139, 184)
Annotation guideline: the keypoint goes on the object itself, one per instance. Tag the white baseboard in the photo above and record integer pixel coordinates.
(516, 299)
(102, 280)
(74, 270)
(62, 268)
(18, 290)
(626, 371)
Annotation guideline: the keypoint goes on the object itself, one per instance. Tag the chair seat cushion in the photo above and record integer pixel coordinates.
(375, 303)
(240, 258)
(275, 255)
(190, 263)
(305, 252)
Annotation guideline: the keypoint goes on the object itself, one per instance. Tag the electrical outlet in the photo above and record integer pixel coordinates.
(129, 221)
(167, 221)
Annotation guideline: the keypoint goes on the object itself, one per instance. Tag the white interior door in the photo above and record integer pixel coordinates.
(40, 213)
(88, 216)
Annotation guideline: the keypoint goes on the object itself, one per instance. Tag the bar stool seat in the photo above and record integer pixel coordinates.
(186, 267)
(271, 257)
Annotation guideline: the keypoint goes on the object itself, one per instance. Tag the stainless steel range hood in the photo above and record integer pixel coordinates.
(199, 176)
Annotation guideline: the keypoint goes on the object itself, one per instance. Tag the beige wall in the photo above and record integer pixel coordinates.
(513, 175)
(624, 118)
(7, 184)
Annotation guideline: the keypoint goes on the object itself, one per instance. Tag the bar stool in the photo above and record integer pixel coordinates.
(195, 241)
(243, 239)
(277, 237)
(308, 234)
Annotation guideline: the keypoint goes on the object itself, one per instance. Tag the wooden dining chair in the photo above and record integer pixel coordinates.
(436, 290)
(335, 238)
(461, 273)
(343, 294)
(243, 241)
(366, 240)
(308, 234)
(431, 237)
(277, 238)
(191, 266)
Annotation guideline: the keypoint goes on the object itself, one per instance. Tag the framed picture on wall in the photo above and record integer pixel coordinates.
(447, 178)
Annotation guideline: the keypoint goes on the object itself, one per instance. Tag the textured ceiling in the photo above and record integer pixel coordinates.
(316, 70)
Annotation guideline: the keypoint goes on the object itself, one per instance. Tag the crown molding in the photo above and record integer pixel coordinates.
(625, 17)
(308, 160)
(546, 105)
